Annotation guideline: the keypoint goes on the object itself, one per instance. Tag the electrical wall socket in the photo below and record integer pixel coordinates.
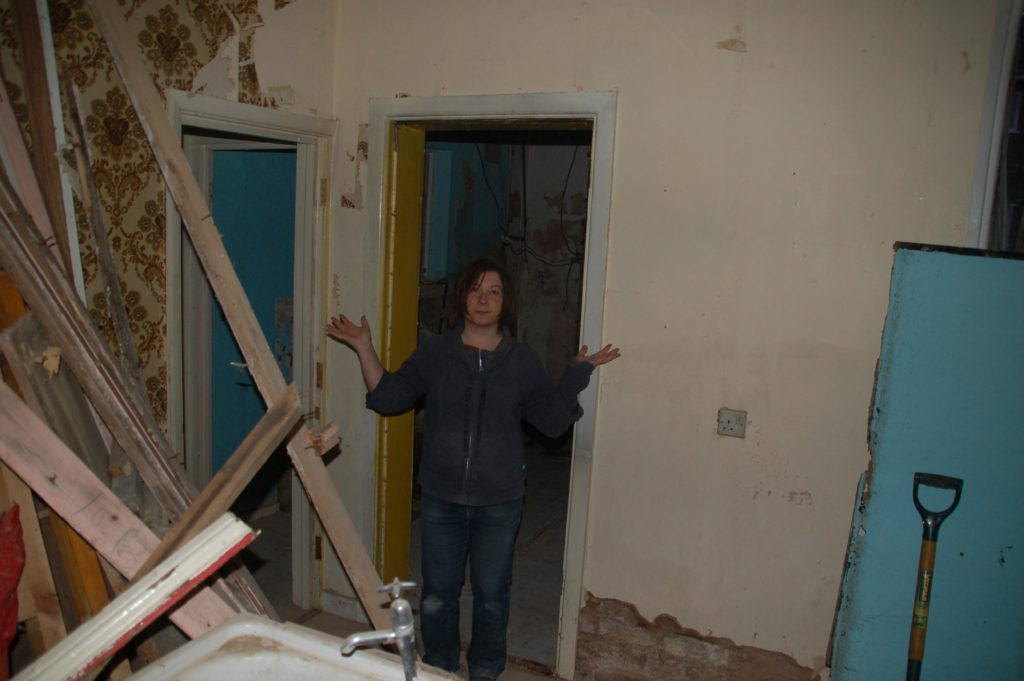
(732, 422)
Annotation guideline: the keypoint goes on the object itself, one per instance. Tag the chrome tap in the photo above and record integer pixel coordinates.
(402, 632)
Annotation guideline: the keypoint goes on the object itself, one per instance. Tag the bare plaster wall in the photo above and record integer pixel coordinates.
(767, 156)
(293, 52)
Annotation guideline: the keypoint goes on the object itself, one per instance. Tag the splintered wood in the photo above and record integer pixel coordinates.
(60, 478)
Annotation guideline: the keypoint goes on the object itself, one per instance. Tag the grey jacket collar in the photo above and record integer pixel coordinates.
(492, 359)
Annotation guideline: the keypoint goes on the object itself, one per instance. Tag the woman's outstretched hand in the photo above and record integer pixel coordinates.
(602, 356)
(356, 336)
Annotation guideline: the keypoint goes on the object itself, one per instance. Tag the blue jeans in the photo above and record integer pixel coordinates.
(486, 535)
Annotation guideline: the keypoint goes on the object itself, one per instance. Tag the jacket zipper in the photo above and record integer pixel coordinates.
(469, 445)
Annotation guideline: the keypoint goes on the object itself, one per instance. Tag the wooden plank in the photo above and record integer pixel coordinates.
(60, 478)
(236, 473)
(94, 218)
(65, 597)
(147, 648)
(18, 167)
(37, 591)
(40, 115)
(143, 603)
(195, 213)
(56, 398)
(37, 595)
(67, 322)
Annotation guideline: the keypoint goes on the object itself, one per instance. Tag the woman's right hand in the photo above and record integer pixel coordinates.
(356, 336)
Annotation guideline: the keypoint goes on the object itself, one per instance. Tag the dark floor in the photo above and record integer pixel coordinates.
(537, 577)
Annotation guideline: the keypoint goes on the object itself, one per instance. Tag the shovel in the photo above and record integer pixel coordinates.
(932, 520)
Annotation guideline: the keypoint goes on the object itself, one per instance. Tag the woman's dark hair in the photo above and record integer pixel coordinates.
(464, 284)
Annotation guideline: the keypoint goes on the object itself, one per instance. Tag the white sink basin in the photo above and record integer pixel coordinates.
(252, 648)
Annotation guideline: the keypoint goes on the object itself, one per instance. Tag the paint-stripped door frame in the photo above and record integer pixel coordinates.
(313, 139)
(399, 315)
(599, 109)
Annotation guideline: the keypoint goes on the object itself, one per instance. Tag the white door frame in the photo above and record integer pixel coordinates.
(993, 121)
(312, 138)
(599, 107)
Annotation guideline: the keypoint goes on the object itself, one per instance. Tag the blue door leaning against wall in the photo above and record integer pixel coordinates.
(253, 205)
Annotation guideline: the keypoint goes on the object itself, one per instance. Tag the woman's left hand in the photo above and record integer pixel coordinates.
(602, 356)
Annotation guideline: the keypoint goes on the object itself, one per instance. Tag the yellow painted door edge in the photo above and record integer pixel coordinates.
(399, 315)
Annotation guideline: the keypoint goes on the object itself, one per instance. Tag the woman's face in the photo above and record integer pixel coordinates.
(484, 302)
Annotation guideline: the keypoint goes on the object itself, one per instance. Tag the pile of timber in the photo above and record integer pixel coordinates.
(103, 497)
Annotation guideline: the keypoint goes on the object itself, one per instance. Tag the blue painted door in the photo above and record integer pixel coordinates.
(948, 400)
(253, 205)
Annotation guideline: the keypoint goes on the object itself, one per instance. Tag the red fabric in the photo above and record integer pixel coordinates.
(12, 562)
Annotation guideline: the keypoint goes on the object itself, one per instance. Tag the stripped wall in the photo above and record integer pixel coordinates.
(767, 156)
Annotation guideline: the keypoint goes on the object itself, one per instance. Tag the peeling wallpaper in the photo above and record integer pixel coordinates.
(176, 39)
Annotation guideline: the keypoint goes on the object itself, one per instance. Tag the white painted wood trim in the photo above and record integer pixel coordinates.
(599, 107)
(143, 602)
(993, 121)
(57, 114)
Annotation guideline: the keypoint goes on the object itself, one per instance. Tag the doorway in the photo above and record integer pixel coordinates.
(300, 146)
(517, 195)
(250, 185)
(397, 126)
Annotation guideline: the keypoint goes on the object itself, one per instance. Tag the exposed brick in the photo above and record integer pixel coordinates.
(617, 644)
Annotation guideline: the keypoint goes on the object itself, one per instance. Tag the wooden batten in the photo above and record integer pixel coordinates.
(58, 400)
(68, 324)
(195, 214)
(54, 303)
(37, 595)
(55, 397)
(38, 604)
(96, 221)
(22, 174)
(60, 478)
(239, 470)
(40, 114)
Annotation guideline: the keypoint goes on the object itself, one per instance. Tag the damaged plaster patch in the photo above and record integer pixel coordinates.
(354, 199)
(732, 44)
(50, 360)
(800, 498)
(281, 94)
(617, 644)
(737, 44)
(219, 78)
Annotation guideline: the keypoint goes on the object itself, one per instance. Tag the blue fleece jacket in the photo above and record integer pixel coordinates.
(475, 403)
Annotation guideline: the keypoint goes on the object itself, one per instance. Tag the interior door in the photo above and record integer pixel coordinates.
(252, 195)
(398, 340)
(253, 205)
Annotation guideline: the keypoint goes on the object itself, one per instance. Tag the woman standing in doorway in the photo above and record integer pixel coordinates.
(479, 384)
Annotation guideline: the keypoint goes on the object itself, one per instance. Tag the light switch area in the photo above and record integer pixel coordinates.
(732, 422)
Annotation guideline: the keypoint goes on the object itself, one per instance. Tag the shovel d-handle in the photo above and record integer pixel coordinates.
(926, 565)
(933, 519)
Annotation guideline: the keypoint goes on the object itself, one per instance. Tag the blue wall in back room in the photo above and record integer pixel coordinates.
(949, 399)
(466, 207)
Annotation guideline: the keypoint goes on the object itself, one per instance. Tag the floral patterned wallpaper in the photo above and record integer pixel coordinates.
(176, 38)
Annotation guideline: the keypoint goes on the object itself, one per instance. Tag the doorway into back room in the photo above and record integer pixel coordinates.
(519, 197)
